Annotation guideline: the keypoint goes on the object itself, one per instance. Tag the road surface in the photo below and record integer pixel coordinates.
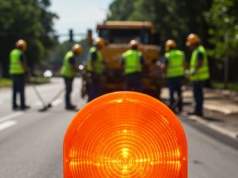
(31, 141)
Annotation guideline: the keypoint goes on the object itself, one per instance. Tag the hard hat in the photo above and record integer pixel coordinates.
(77, 49)
(99, 42)
(170, 44)
(192, 39)
(21, 44)
(134, 43)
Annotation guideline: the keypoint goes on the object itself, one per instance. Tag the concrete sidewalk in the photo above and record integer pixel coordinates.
(220, 109)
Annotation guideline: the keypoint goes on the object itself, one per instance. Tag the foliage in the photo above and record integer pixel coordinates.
(231, 86)
(223, 28)
(5, 82)
(29, 20)
(121, 10)
(174, 19)
(215, 21)
(61, 49)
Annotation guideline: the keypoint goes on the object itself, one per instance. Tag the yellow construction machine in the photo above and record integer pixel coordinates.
(117, 35)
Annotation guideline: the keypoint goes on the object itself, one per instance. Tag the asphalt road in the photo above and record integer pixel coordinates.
(31, 142)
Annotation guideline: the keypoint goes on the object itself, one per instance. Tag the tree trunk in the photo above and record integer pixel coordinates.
(226, 69)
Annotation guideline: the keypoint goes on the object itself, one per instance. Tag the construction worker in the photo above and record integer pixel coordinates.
(68, 72)
(132, 62)
(95, 68)
(199, 71)
(18, 71)
(173, 67)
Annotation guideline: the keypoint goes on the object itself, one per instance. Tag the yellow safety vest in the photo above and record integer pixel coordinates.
(67, 70)
(15, 62)
(175, 63)
(98, 63)
(132, 61)
(203, 72)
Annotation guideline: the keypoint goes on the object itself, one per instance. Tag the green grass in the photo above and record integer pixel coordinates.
(39, 80)
(6, 82)
(230, 86)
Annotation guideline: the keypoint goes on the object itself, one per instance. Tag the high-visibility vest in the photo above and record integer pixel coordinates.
(202, 73)
(67, 70)
(98, 64)
(15, 62)
(132, 61)
(175, 63)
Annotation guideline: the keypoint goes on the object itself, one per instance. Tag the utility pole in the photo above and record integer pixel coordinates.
(71, 35)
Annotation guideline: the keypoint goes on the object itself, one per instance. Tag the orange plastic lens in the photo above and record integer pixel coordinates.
(125, 135)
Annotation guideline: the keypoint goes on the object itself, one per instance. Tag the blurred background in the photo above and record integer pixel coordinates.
(50, 29)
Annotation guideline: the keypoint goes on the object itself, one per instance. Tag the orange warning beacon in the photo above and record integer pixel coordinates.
(125, 135)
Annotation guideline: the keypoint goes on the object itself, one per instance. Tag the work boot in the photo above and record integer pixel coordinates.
(25, 107)
(71, 107)
(15, 107)
(197, 113)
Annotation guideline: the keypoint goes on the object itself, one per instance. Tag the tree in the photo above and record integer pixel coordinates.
(215, 21)
(28, 20)
(223, 32)
(174, 19)
(120, 10)
(224, 28)
(61, 49)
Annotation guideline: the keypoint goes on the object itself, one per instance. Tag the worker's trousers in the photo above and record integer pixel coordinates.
(175, 86)
(94, 87)
(18, 86)
(68, 89)
(133, 81)
(198, 95)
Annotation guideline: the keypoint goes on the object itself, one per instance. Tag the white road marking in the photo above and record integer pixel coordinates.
(11, 116)
(7, 124)
(214, 127)
(216, 108)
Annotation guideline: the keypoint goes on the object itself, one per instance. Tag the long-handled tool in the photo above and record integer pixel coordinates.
(49, 105)
(41, 99)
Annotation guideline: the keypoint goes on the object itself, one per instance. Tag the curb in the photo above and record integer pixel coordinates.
(223, 110)
(215, 127)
